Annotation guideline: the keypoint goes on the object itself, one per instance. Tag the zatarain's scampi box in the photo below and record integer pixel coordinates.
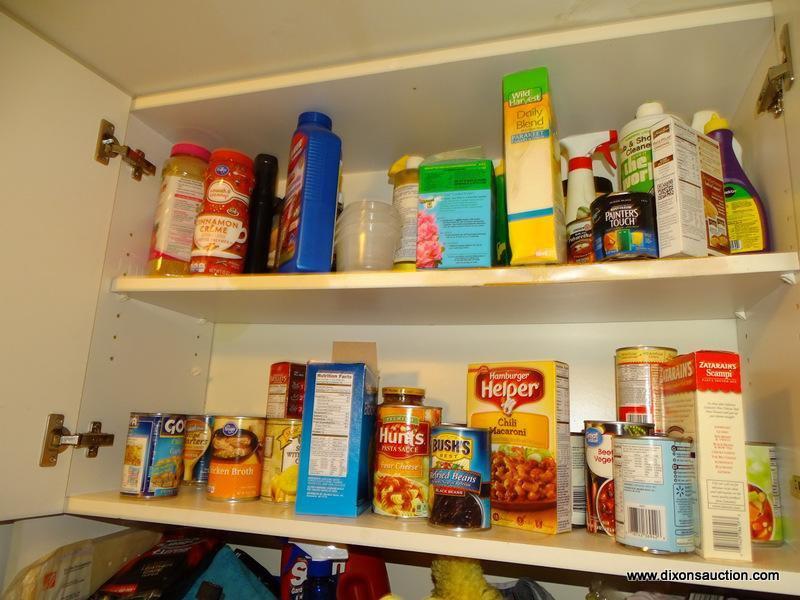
(526, 407)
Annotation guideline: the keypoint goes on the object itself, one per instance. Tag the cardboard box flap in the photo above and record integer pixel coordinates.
(356, 352)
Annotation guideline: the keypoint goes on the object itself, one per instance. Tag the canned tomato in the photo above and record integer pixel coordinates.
(153, 455)
(763, 494)
(598, 437)
(656, 493)
(236, 459)
(281, 460)
(624, 226)
(639, 390)
(221, 229)
(578, 460)
(197, 449)
(402, 458)
(460, 477)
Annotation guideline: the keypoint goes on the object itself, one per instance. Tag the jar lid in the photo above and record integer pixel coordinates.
(190, 149)
(403, 391)
(234, 156)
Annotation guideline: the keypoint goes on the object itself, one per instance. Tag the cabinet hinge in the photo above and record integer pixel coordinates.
(779, 79)
(109, 147)
(58, 438)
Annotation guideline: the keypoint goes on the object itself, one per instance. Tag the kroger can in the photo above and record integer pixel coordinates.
(598, 436)
(281, 460)
(153, 455)
(578, 461)
(656, 493)
(639, 390)
(237, 450)
(197, 449)
(460, 477)
(763, 494)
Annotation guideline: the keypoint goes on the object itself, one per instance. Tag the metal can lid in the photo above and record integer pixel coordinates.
(645, 347)
(403, 391)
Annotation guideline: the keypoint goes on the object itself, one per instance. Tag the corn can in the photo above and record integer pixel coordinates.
(153, 455)
(237, 450)
(281, 460)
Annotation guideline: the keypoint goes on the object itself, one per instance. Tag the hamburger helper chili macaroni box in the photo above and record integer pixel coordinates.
(703, 401)
(526, 407)
(338, 423)
(534, 197)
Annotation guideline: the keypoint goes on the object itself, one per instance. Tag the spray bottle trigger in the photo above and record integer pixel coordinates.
(605, 148)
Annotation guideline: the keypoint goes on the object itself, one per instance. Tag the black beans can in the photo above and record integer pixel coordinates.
(624, 226)
(460, 477)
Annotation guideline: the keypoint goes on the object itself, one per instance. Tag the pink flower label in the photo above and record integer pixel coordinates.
(429, 250)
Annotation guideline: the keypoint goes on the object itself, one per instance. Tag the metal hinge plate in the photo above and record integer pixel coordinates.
(58, 438)
(108, 147)
(779, 79)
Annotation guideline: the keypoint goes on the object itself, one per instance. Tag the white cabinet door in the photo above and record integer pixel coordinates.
(56, 206)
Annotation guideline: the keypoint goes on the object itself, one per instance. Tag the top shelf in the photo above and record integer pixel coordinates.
(431, 101)
(658, 290)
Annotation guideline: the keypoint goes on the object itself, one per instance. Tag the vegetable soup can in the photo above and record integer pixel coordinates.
(460, 477)
(598, 436)
(197, 449)
(639, 390)
(237, 450)
(578, 459)
(281, 460)
(763, 494)
(656, 493)
(153, 455)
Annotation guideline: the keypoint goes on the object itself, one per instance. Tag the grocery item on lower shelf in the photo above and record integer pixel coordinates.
(764, 494)
(338, 425)
(526, 407)
(197, 449)
(578, 451)
(281, 460)
(286, 390)
(703, 401)
(638, 388)
(153, 458)
(237, 453)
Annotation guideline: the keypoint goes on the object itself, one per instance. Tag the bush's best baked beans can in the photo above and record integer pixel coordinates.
(460, 477)
(578, 456)
(281, 460)
(402, 459)
(197, 449)
(237, 448)
(153, 455)
(639, 390)
(598, 437)
(763, 494)
(655, 493)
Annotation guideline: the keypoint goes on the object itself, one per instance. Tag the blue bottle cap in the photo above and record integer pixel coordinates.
(319, 568)
(318, 118)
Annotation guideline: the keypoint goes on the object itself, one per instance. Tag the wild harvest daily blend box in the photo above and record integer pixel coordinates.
(526, 407)
(534, 198)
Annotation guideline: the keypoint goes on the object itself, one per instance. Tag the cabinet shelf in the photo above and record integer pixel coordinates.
(566, 551)
(663, 290)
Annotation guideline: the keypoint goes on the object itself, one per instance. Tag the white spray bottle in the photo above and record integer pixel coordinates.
(581, 190)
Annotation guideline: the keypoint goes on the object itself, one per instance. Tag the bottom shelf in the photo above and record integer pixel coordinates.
(577, 550)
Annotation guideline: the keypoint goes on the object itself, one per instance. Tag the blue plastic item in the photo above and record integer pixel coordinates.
(312, 187)
(321, 583)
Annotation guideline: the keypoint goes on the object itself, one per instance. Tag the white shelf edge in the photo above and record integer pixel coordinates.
(779, 263)
(538, 41)
(565, 551)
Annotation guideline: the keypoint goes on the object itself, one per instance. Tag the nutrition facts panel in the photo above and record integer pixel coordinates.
(330, 434)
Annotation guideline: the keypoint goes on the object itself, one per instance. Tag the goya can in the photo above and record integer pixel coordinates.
(639, 390)
(237, 450)
(624, 226)
(598, 436)
(153, 455)
(221, 229)
(578, 461)
(460, 477)
(656, 493)
(281, 460)
(197, 449)
(763, 494)
(402, 458)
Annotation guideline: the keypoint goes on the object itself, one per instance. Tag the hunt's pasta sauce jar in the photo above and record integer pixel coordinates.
(460, 477)
(624, 226)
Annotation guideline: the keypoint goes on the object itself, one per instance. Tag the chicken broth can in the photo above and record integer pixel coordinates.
(639, 390)
(655, 493)
(281, 460)
(237, 447)
(763, 494)
(402, 459)
(153, 455)
(598, 435)
(460, 477)
(197, 449)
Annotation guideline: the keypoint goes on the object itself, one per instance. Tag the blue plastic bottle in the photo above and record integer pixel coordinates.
(321, 583)
(312, 187)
